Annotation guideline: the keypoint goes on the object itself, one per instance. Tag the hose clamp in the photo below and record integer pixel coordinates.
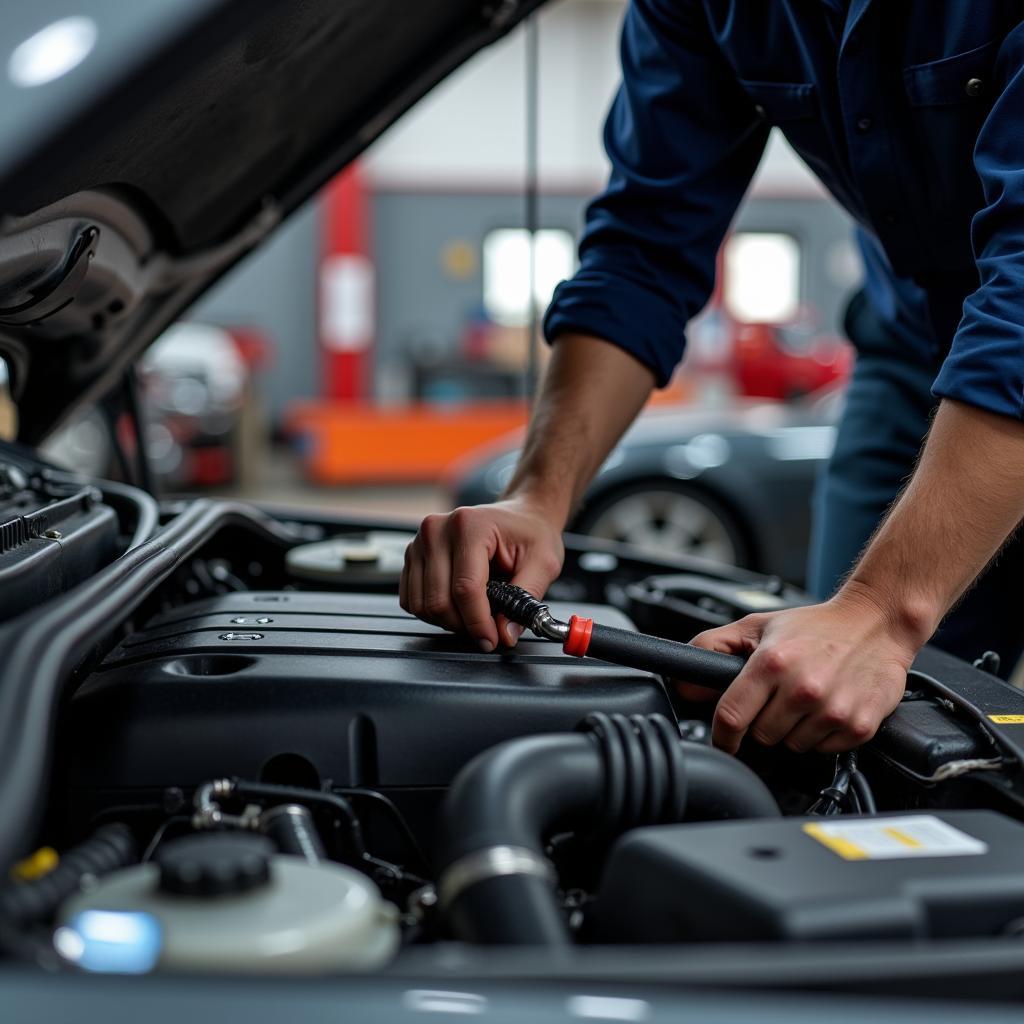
(492, 862)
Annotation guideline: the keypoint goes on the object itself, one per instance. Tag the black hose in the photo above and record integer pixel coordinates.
(496, 885)
(343, 812)
(145, 506)
(109, 848)
(291, 828)
(684, 662)
(398, 821)
(862, 789)
(147, 510)
(338, 805)
(583, 638)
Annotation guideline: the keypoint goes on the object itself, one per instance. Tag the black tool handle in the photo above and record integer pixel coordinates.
(684, 662)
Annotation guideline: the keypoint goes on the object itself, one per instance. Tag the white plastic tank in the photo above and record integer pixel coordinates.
(227, 902)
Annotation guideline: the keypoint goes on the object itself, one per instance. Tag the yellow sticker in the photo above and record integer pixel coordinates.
(837, 844)
(902, 837)
(892, 838)
(1007, 719)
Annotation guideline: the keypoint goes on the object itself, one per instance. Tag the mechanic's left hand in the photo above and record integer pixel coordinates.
(819, 678)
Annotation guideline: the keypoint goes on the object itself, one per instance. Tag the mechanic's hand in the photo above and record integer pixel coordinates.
(448, 564)
(819, 678)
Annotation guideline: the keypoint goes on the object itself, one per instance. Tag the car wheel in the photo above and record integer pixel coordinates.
(662, 518)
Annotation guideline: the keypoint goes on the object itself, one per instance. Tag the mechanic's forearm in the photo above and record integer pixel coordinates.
(591, 393)
(962, 503)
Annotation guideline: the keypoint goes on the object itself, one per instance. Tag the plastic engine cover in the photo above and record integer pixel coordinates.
(365, 693)
(957, 874)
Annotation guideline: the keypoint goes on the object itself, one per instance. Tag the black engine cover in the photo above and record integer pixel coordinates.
(366, 694)
(949, 875)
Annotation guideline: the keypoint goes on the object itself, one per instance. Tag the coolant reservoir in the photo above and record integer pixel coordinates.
(372, 559)
(227, 902)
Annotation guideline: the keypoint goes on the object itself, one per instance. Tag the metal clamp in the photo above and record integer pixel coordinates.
(492, 862)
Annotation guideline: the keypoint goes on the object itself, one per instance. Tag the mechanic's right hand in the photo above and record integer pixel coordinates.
(448, 564)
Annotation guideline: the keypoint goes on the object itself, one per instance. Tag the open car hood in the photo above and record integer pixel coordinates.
(178, 136)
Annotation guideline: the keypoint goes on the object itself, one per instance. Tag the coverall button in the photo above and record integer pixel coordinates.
(975, 88)
(865, 124)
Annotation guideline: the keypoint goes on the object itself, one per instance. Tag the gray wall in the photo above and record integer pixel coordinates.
(419, 302)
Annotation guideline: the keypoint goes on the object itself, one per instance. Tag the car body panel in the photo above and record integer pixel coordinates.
(759, 460)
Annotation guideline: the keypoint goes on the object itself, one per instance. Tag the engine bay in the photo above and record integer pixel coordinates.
(218, 762)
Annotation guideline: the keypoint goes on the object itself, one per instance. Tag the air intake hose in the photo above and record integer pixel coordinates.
(495, 884)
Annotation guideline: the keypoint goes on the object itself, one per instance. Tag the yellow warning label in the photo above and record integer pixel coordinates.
(902, 837)
(837, 844)
(890, 838)
(1007, 719)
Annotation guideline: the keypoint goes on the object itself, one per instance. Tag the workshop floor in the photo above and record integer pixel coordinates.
(278, 479)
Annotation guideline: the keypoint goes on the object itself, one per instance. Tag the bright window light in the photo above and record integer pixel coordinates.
(762, 277)
(52, 52)
(506, 270)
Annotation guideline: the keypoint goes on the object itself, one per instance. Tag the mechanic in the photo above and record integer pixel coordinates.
(912, 115)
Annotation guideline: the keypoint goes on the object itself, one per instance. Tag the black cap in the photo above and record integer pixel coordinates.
(216, 864)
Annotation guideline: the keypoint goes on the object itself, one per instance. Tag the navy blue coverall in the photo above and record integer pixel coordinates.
(912, 115)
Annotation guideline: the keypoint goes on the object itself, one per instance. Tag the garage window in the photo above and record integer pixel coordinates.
(506, 271)
(762, 276)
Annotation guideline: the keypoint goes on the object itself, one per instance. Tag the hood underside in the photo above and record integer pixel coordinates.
(188, 131)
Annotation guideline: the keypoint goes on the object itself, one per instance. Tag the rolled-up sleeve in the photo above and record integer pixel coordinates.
(985, 365)
(684, 141)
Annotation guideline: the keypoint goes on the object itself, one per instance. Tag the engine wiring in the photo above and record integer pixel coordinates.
(849, 788)
(862, 791)
(254, 795)
(956, 704)
(396, 816)
(952, 703)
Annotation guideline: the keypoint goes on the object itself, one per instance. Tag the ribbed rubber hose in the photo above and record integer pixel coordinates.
(514, 796)
(109, 848)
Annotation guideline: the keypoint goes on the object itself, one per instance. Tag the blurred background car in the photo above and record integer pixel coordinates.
(732, 485)
(198, 406)
(787, 361)
(203, 426)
